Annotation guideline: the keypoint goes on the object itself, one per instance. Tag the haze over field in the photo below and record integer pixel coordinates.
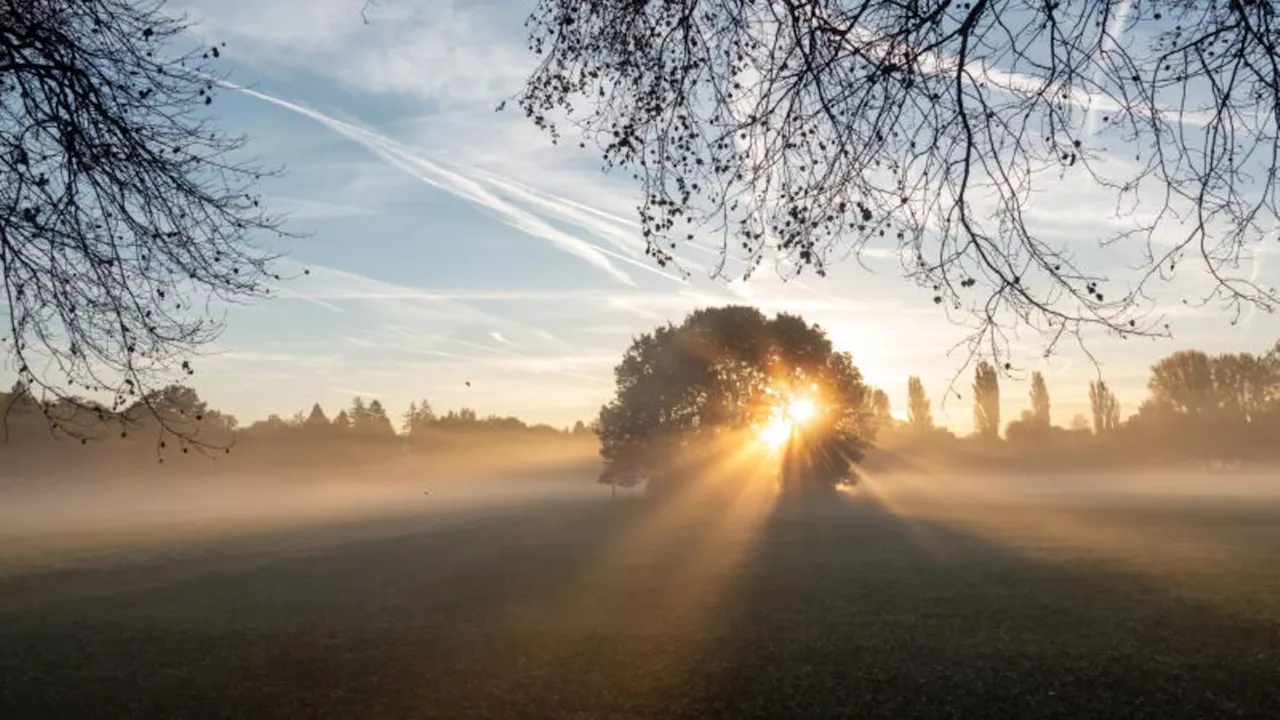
(616, 359)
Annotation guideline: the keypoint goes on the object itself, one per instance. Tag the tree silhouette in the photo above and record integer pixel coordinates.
(175, 413)
(1040, 415)
(812, 127)
(418, 417)
(375, 421)
(986, 400)
(1242, 385)
(1104, 406)
(718, 377)
(317, 419)
(881, 408)
(1183, 383)
(124, 215)
(919, 415)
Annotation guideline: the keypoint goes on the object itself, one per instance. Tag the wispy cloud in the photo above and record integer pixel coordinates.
(302, 208)
(456, 183)
(478, 42)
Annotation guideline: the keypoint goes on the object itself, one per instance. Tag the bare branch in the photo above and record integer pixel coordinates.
(806, 130)
(124, 222)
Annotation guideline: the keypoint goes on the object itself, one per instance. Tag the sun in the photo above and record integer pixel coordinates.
(783, 421)
(801, 411)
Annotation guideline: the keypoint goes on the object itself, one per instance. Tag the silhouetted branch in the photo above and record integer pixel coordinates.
(813, 128)
(123, 218)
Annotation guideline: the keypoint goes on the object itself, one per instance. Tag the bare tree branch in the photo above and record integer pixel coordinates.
(124, 222)
(804, 130)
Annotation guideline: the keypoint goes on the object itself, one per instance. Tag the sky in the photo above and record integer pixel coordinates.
(448, 243)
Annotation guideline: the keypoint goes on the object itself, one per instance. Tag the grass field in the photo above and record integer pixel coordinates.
(578, 607)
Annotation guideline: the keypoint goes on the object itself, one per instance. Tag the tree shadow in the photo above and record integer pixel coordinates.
(827, 609)
(848, 609)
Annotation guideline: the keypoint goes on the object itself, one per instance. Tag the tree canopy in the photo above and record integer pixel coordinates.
(809, 129)
(719, 377)
(125, 216)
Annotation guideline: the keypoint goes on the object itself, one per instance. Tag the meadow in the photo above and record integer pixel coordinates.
(898, 599)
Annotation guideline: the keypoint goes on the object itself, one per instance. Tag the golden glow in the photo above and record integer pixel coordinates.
(801, 411)
(776, 432)
(783, 421)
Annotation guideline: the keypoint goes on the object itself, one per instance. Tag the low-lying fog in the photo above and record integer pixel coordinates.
(73, 520)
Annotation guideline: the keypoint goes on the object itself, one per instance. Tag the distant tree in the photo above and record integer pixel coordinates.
(812, 128)
(1104, 407)
(359, 412)
(881, 408)
(1024, 429)
(1183, 382)
(342, 421)
(720, 376)
(1039, 401)
(317, 419)
(410, 418)
(986, 400)
(124, 213)
(418, 417)
(1272, 358)
(18, 402)
(460, 419)
(919, 414)
(504, 424)
(580, 428)
(376, 422)
(273, 424)
(1242, 385)
(177, 413)
(1079, 423)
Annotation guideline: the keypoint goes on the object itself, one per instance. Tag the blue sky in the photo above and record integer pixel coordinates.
(449, 243)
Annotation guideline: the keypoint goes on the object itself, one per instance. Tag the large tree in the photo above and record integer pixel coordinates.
(126, 217)
(682, 391)
(812, 127)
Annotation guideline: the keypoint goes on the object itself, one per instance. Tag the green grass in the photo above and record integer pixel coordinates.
(559, 611)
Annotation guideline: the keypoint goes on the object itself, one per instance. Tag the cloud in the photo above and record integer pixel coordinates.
(456, 183)
(481, 47)
(304, 209)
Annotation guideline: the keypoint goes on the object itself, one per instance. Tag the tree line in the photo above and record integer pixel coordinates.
(174, 422)
(1198, 406)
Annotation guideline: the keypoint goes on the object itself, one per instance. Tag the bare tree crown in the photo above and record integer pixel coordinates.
(123, 216)
(805, 130)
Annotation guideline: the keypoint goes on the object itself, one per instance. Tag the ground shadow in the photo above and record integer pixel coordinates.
(834, 609)
(849, 610)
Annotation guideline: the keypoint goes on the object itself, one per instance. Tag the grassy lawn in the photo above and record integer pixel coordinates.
(591, 609)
